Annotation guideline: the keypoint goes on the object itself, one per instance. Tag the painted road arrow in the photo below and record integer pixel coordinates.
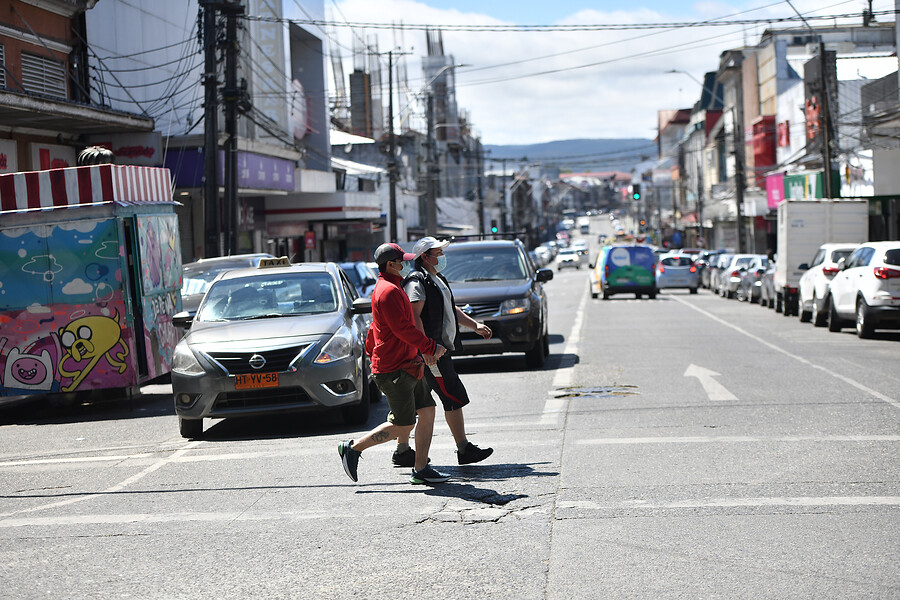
(715, 390)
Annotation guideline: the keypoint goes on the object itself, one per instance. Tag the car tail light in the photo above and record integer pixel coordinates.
(661, 269)
(886, 273)
(606, 271)
(736, 273)
(830, 271)
(693, 269)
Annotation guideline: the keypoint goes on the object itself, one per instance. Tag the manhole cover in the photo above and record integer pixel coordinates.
(601, 391)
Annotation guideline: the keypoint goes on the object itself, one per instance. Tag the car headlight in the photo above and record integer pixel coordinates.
(185, 362)
(515, 306)
(339, 346)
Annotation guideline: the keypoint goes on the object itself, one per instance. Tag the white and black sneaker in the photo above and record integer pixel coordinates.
(349, 458)
(428, 475)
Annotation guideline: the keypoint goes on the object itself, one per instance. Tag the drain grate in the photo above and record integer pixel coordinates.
(603, 391)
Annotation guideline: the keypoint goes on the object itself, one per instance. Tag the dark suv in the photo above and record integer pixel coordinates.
(495, 282)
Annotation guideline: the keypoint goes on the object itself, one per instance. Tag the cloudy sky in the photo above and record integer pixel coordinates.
(535, 86)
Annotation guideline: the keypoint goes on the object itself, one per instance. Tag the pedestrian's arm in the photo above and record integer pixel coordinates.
(467, 321)
(417, 308)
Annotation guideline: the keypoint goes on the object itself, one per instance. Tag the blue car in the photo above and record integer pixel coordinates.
(677, 271)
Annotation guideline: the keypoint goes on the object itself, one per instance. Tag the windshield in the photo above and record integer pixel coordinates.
(677, 261)
(197, 282)
(493, 264)
(276, 295)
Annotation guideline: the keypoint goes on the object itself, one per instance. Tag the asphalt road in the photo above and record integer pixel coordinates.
(688, 446)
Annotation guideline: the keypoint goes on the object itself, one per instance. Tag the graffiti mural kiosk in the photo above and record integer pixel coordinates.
(90, 273)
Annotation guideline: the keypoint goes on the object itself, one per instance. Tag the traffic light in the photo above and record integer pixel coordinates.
(493, 226)
(643, 226)
(636, 191)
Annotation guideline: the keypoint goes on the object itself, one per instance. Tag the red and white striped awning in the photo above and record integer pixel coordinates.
(79, 186)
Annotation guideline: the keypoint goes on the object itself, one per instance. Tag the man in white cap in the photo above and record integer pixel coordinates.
(439, 318)
(394, 343)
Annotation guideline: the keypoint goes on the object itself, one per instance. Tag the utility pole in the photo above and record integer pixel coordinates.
(212, 242)
(826, 121)
(479, 165)
(739, 179)
(392, 152)
(431, 208)
(230, 95)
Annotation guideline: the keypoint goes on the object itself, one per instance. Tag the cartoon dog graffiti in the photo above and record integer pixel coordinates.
(91, 338)
(27, 373)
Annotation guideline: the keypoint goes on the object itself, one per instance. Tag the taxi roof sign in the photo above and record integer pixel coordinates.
(268, 263)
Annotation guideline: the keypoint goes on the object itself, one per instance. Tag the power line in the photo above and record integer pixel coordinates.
(567, 28)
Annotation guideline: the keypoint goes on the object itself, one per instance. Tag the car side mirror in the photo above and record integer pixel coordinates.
(544, 275)
(183, 319)
(804, 267)
(361, 306)
(842, 264)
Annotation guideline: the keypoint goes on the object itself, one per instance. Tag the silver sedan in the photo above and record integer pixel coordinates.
(273, 339)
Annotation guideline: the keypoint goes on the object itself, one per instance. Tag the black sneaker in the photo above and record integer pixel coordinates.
(406, 458)
(427, 475)
(350, 458)
(472, 454)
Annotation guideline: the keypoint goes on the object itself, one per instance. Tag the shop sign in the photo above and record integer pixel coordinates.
(774, 190)
(310, 238)
(141, 149)
(51, 156)
(8, 157)
(255, 171)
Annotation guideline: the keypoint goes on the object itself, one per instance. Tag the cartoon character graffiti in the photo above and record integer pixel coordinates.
(28, 373)
(91, 338)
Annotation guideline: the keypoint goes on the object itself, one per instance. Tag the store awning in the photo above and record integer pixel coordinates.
(355, 168)
(342, 138)
(60, 115)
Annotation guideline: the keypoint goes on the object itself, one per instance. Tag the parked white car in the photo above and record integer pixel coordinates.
(568, 257)
(815, 283)
(867, 289)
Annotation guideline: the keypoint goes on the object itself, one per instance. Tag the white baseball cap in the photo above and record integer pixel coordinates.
(426, 244)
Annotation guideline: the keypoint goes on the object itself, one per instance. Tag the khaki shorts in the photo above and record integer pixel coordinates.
(405, 395)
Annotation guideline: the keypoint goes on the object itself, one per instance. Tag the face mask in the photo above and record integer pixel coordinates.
(406, 270)
(441, 263)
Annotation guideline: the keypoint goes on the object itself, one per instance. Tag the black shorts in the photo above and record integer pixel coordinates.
(442, 378)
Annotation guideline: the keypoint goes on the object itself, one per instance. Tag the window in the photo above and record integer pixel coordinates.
(2, 65)
(819, 259)
(43, 75)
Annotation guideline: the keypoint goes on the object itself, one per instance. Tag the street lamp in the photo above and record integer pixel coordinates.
(431, 206)
(738, 163)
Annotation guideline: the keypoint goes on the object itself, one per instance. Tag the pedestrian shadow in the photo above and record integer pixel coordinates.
(510, 363)
(466, 483)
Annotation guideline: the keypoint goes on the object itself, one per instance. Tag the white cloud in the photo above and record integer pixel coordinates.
(597, 83)
(77, 286)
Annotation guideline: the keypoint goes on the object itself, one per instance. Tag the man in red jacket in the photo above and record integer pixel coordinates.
(394, 344)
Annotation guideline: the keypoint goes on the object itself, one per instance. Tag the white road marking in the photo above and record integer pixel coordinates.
(118, 487)
(740, 502)
(554, 408)
(846, 380)
(738, 439)
(715, 390)
(118, 519)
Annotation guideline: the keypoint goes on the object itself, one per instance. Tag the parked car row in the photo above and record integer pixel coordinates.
(845, 285)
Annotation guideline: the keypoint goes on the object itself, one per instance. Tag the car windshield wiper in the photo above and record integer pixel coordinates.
(266, 316)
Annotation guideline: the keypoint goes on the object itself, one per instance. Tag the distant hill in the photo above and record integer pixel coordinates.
(577, 155)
